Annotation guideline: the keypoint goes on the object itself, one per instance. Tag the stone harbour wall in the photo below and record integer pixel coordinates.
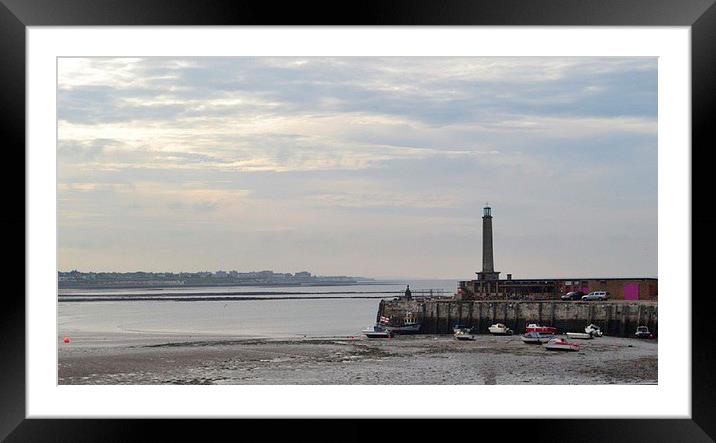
(615, 318)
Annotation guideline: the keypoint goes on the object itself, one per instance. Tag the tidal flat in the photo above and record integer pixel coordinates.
(352, 360)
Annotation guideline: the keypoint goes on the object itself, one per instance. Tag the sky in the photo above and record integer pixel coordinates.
(363, 166)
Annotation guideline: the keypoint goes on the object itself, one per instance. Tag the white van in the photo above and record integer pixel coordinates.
(596, 295)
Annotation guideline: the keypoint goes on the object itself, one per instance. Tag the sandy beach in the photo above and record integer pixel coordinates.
(418, 359)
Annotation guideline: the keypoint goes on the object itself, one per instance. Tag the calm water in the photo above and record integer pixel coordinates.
(234, 318)
(448, 285)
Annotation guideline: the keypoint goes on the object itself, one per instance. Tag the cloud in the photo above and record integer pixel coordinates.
(313, 149)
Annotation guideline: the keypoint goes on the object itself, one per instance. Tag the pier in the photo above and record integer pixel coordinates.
(615, 318)
(246, 295)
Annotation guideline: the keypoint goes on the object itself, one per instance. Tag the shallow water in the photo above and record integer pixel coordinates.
(256, 318)
(252, 318)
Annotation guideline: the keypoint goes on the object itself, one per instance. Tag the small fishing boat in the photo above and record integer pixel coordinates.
(560, 344)
(409, 325)
(580, 335)
(377, 331)
(533, 327)
(594, 330)
(643, 332)
(412, 328)
(499, 329)
(536, 338)
(464, 334)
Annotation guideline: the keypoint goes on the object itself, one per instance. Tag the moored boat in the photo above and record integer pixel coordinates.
(536, 338)
(580, 335)
(499, 329)
(408, 328)
(458, 327)
(560, 344)
(409, 325)
(594, 330)
(643, 332)
(533, 327)
(377, 331)
(464, 334)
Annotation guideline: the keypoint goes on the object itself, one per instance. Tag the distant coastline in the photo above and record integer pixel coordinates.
(141, 285)
(150, 280)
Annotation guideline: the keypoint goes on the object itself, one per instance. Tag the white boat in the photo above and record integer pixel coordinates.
(376, 331)
(458, 327)
(536, 338)
(499, 329)
(594, 330)
(533, 327)
(464, 334)
(560, 344)
(580, 335)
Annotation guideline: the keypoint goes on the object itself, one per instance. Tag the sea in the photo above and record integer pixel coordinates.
(264, 312)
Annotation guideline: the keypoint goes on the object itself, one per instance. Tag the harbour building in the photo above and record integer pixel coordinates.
(489, 286)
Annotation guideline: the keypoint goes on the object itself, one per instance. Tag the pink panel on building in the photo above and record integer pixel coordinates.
(585, 290)
(631, 291)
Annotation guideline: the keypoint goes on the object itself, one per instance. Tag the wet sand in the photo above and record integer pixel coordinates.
(418, 359)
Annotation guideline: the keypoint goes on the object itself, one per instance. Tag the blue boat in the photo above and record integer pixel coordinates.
(409, 325)
(536, 338)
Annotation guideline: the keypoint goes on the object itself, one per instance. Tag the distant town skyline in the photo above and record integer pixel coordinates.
(361, 166)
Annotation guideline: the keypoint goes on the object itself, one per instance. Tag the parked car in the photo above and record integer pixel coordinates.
(574, 295)
(596, 295)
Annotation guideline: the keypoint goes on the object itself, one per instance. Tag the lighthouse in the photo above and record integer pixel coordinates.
(488, 266)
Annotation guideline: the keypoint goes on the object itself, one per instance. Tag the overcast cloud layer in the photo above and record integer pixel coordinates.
(358, 166)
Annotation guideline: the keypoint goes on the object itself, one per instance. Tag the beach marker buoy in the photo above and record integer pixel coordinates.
(66, 340)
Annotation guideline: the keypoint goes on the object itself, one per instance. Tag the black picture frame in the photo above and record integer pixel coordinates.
(16, 15)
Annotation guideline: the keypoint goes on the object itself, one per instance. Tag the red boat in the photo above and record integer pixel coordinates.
(532, 327)
(560, 344)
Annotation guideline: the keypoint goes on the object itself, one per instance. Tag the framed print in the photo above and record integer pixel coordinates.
(463, 210)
